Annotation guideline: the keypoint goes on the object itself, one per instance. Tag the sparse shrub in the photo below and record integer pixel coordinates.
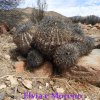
(8, 13)
(39, 12)
(9, 4)
(77, 19)
(11, 17)
(92, 19)
(23, 37)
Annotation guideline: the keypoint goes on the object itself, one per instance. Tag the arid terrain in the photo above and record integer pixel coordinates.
(15, 80)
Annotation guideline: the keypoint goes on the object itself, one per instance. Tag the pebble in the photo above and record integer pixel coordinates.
(3, 86)
(7, 57)
(27, 84)
(55, 87)
(47, 85)
(87, 98)
(94, 28)
(40, 87)
(13, 80)
(51, 83)
(7, 98)
(2, 95)
(20, 58)
(7, 82)
(60, 90)
(89, 25)
(10, 92)
(21, 89)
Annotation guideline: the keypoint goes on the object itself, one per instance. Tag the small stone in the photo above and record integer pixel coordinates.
(90, 26)
(20, 58)
(7, 57)
(47, 85)
(41, 80)
(55, 87)
(10, 92)
(40, 87)
(2, 95)
(13, 80)
(27, 84)
(60, 90)
(19, 80)
(20, 65)
(7, 82)
(87, 98)
(3, 86)
(7, 98)
(21, 89)
(51, 83)
(94, 28)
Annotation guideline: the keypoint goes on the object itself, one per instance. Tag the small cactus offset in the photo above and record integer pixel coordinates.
(75, 31)
(66, 56)
(22, 37)
(85, 47)
(34, 59)
(60, 42)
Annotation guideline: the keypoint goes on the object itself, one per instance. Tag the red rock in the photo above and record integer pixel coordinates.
(43, 71)
(20, 66)
(4, 28)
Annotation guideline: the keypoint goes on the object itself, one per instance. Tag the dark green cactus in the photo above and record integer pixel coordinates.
(34, 59)
(66, 56)
(22, 37)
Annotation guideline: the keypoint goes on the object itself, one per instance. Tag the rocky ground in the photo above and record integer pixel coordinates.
(82, 82)
(91, 29)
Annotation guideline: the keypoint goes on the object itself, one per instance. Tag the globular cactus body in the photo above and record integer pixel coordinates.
(52, 33)
(66, 56)
(34, 59)
(23, 37)
(85, 47)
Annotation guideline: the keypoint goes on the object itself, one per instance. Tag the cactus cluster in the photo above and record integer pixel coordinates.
(60, 42)
(22, 37)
